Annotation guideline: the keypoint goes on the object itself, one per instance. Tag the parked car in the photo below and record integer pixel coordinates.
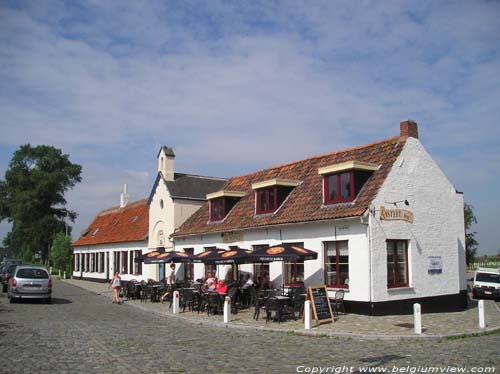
(30, 282)
(486, 284)
(7, 274)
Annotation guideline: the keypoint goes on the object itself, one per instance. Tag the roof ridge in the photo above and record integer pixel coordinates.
(200, 176)
(117, 207)
(318, 156)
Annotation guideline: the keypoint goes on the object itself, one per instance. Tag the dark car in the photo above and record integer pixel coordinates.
(7, 274)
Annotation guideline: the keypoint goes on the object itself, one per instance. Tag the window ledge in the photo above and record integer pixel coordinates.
(396, 289)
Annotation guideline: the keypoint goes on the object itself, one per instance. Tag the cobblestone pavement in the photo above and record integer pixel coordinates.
(353, 325)
(82, 332)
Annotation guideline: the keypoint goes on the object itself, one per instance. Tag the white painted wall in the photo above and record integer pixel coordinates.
(437, 230)
(111, 249)
(313, 235)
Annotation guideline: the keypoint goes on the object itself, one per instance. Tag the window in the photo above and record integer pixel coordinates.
(217, 211)
(397, 263)
(337, 264)
(344, 187)
(123, 268)
(294, 271)
(137, 265)
(189, 267)
(221, 206)
(212, 269)
(260, 270)
(266, 200)
(101, 262)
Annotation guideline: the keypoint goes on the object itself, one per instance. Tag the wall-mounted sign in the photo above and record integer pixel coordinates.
(396, 215)
(231, 237)
(434, 265)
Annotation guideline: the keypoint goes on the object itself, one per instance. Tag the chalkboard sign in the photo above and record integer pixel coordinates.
(321, 307)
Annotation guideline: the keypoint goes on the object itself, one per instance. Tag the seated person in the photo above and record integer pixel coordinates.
(248, 282)
(210, 280)
(212, 286)
(222, 286)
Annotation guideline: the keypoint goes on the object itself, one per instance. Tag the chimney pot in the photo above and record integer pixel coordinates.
(409, 128)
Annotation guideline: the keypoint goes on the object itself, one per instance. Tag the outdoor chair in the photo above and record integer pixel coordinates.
(187, 300)
(338, 302)
(233, 294)
(272, 305)
(146, 292)
(214, 303)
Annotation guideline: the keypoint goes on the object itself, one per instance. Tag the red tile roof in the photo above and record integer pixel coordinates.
(117, 225)
(304, 203)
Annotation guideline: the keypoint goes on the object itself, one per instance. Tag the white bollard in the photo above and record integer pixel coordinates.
(227, 309)
(417, 319)
(480, 307)
(64, 275)
(50, 270)
(175, 307)
(307, 315)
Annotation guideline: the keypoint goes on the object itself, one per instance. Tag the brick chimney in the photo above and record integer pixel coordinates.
(409, 128)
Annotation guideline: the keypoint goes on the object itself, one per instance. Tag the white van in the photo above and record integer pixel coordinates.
(486, 284)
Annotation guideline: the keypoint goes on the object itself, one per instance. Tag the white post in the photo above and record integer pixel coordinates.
(480, 307)
(59, 273)
(175, 308)
(64, 275)
(417, 319)
(307, 315)
(227, 309)
(50, 270)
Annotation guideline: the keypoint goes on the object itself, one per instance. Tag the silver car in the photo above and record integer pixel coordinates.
(30, 282)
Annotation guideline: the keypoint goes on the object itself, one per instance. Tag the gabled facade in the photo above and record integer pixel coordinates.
(385, 221)
(173, 199)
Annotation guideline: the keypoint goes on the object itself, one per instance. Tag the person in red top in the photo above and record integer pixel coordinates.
(222, 286)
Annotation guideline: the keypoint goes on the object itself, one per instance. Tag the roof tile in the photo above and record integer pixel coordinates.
(304, 203)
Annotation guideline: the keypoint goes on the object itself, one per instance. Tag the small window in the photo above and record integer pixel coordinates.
(96, 231)
(337, 264)
(220, 207)
(268, 200)
(134, 220)
(161, 203)
(344, 187)
(397, 263)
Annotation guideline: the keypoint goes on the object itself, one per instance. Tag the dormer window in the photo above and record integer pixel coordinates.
(221, 203)
(342, 182)
(270, 194)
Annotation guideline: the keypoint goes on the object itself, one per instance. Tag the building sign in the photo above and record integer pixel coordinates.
(231, 237)
(396, 215)
(434, 265)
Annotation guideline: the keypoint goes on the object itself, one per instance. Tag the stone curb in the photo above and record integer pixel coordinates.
(308, 333)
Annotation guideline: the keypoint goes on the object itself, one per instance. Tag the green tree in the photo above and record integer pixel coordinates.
(470, 241)
(60, 252)
(32, 198)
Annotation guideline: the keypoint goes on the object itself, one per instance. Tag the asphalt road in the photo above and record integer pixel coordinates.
(85, 333)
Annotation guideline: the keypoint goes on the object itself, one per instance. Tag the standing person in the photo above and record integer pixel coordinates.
(170, 283)
(116, 283)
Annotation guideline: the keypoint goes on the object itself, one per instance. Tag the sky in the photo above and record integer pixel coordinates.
(238, 86)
